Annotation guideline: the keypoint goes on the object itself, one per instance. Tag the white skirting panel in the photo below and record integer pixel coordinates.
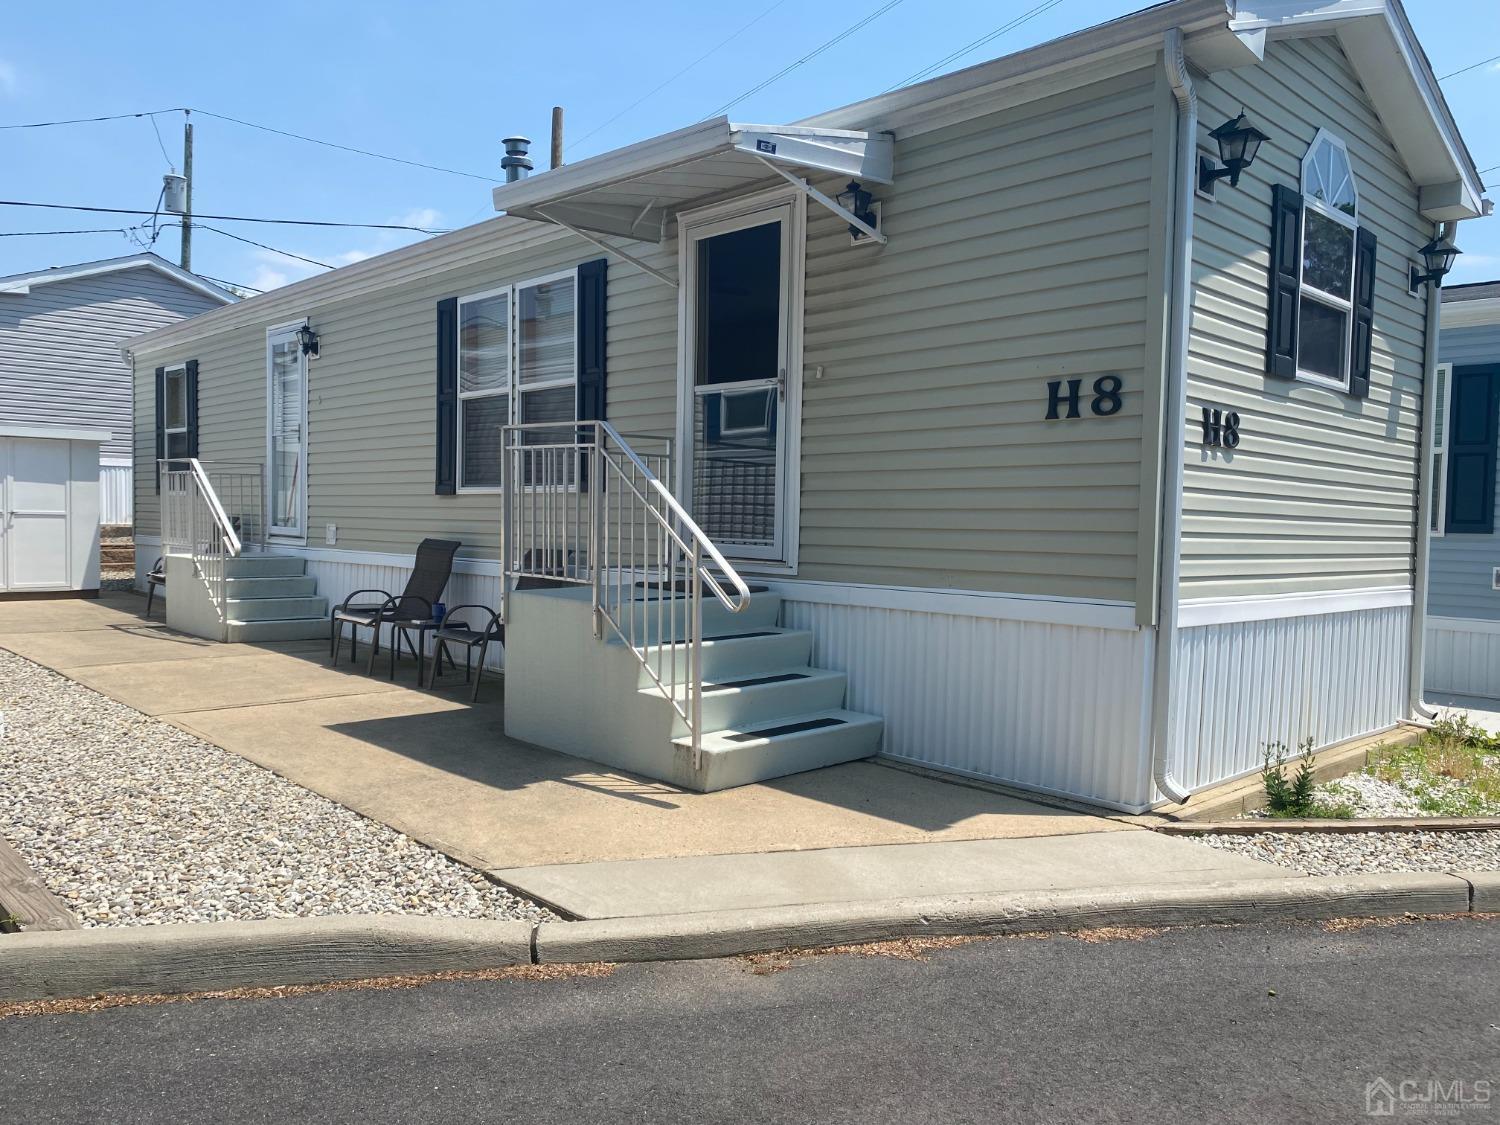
(1463, 657)
(338, 578)
(115, 494)
(1061, 708)
(1243, 684)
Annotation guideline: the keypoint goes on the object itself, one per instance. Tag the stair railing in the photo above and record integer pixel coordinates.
(583, 506)
(196, 522)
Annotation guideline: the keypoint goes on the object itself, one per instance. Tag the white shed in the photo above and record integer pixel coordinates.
(49, 510)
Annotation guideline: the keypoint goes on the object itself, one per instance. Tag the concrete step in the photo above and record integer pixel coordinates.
(117, 554)
(264, 566)
(767, 697)
(243, 589)
(655, 622)
(789, 745)
(739, 655)
(277, 609)
(286, 629)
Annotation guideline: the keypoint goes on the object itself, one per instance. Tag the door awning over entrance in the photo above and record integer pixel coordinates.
(635, 192)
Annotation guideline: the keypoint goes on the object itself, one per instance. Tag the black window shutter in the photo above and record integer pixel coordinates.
(161, 422)
(190, 395)
(1286, 252)
(591, 339)
(446, 479)
(1473, 421)
(1364, 313)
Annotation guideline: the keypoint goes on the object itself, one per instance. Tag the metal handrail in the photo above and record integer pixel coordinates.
(195, 521)
(598, 493)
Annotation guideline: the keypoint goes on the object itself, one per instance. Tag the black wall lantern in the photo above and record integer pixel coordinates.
(858, 202)
(308, 339)
(1438, 257)
(1238, 142)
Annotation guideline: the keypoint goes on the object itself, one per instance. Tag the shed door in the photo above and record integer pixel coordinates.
(34, 474)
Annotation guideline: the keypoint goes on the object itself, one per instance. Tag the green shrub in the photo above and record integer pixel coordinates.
(1297, 797)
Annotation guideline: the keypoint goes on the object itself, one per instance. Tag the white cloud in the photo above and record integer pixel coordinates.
(422, 217)
(9, 80)
(272, 269)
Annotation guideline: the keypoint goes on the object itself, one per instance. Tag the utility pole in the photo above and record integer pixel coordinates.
(187, 172)
(557, 136)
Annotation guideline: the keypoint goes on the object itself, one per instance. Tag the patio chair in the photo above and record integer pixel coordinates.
(411, 611)
(157, 577)
(458, 628)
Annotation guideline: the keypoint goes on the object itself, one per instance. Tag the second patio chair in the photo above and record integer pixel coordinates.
(408, 612)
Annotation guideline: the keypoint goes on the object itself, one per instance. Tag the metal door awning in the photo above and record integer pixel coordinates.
(636, 192)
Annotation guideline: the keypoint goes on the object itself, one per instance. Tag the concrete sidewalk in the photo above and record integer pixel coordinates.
(443, 772)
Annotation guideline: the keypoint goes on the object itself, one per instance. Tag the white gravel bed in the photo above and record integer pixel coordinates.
(133, 822)
(1353, 853)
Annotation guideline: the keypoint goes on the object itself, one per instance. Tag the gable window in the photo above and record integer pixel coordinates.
(1322, 275)
(1330, 219)
(532, 352)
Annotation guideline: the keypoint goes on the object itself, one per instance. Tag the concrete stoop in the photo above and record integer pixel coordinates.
(767, 711)
(271, 598)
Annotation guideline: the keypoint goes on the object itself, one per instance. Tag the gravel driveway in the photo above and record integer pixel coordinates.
(134, 822)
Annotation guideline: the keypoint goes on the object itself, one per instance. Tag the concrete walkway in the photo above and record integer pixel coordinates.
(443, 772)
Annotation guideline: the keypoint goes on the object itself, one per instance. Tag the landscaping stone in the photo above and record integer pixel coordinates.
(1317, 853)
(131, 821)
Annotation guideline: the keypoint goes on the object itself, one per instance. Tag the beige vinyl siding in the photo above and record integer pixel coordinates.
(371, 409)
(1321, 493)
(1018, 254)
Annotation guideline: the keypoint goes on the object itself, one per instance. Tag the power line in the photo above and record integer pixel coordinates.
(89, 120)
(1024, 17)
(250, 241)
(230, 218)
(814, 53)
(236, 284)
(170, 166)
(1471, 66)
(253, 125)
(658, 89)
(35, 233)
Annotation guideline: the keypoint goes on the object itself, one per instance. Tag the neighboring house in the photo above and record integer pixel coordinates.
(1463, 600)
(60, 360)
(1078, 477)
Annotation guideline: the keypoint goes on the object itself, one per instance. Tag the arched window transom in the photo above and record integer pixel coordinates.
(1329, 221)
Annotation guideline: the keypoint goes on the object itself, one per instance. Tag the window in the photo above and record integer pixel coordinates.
(1439, 499)
(175, 412)
(1330, 220)
(518, 354)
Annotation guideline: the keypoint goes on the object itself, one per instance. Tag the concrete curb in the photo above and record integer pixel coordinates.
(222, 955)
(1350, 825)
(725, 933)
(205, 957)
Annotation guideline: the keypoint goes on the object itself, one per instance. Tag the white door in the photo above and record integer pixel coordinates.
(740, 392)
(286, 432)
(34, 475)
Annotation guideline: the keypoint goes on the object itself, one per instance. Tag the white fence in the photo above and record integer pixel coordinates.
(115, 493)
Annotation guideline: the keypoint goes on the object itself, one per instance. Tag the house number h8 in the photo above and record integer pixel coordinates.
(1221, 429)
(1106, 400)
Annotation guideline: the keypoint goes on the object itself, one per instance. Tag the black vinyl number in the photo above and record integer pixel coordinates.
(1106, 400)
(1221, 429)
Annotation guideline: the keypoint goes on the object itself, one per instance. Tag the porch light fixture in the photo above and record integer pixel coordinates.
(1438, 257)
(858, 202)
(1238, 142)
(308, 339)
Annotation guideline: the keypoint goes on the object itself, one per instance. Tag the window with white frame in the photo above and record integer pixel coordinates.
(175, 411)
(1438, 521)
(1330, 219)
(517, 363)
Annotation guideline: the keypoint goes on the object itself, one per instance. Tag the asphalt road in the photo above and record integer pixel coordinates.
(1266, 1024)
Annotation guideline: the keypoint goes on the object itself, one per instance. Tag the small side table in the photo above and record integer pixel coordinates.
(402, 630)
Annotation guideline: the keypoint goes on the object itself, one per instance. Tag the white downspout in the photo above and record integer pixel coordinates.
(1174, 405)
(1417, 642)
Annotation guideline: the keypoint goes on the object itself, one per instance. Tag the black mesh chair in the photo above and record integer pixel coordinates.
(157, 577)
(408, 613)
(472, 626)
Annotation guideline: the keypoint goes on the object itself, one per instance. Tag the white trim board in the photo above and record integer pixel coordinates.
(1463, 624)
(1222, 611)
(60, 433)
(963, 603)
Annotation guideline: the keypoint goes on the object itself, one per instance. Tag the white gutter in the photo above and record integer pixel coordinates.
(1417, 646)
(1174, 404)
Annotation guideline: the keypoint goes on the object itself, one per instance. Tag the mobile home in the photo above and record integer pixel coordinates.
(1061, 421)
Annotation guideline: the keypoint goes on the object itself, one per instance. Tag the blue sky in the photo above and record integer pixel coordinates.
(442, 83)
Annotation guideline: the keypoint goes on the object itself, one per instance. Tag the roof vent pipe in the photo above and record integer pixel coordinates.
(515, 162)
